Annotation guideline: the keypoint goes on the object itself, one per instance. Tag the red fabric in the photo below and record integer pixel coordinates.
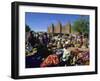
(50, 60)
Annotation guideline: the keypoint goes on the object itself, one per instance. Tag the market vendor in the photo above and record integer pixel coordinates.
(66, 54)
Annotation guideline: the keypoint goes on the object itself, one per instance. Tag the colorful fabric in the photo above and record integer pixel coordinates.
(51, 60)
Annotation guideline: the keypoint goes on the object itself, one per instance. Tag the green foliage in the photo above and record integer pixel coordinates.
(81, 25)
(27, 28)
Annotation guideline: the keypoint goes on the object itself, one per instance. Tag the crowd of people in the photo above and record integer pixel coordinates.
(47, 50)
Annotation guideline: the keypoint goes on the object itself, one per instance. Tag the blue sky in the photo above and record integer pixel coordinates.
(40, 21)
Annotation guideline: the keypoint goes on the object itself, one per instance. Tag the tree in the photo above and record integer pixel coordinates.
(27, 28)
(81, 25)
